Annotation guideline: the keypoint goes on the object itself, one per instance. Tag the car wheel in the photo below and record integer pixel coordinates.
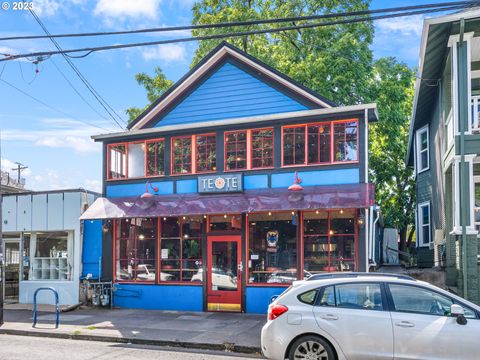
(311, 348)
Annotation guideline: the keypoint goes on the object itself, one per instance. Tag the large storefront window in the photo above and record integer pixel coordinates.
(135, 249)
(181, 249)
(329, 241)
(272, 255)
(49, 256)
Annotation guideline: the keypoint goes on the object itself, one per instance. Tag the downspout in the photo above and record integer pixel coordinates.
(463, 210)
(377, 208)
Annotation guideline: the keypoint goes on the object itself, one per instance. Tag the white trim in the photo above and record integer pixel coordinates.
(421, 225)
(419, 152)
(223, 51)
(366, 146)
(457, 228)
(239, 121)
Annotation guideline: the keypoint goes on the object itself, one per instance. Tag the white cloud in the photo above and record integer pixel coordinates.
(92, 184)
(406, 26)
(120, 10)
(46, 8)
(167, 52)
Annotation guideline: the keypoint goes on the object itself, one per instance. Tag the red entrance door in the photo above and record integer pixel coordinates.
(224, 286)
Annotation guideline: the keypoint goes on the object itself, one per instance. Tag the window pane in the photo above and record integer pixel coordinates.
(182, 155)
(319, 143)
(294, 146)
(316, 245)
(359, 296)
(118, 162)
(426, 234)
(425, 215)
(342, 253)
(236, 150)
(418, 300)
(52, 256)
(156, 158)
(423, 141)
(424, 159)
(262, 148)
(477, 194)
(206, 153)
(136, 160)
(272, 248)
(339, 141)
(351, 141)
(224, 266)
(308, 297)
(328, 297)
(225, 222)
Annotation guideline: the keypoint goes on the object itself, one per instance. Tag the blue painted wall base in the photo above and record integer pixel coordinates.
(258, 298)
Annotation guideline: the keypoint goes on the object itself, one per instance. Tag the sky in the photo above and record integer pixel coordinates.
(52, 138)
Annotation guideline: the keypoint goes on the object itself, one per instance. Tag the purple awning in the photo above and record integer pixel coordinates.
(311, 197)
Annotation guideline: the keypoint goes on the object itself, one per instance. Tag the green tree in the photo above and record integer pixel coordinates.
(392, 88)
(332, 60)
(155, 86)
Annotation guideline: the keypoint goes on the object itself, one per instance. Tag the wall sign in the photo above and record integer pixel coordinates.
(220, 183)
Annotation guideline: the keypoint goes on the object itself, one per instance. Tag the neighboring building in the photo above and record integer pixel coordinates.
(197, 209)
(445, 126)
(9, 185)
(42, 243)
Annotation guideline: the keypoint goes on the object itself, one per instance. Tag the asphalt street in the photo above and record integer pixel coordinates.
(28, 348)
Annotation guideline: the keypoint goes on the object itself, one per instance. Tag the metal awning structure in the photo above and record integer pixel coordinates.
(310, 198)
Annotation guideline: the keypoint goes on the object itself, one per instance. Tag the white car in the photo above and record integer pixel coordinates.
(359, 316)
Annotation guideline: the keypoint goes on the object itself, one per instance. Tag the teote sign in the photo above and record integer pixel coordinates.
(220, 183)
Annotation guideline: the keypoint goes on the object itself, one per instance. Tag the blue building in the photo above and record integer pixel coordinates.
(234, 183)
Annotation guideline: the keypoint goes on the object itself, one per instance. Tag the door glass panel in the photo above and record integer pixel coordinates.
(224, 266)
(12, 269)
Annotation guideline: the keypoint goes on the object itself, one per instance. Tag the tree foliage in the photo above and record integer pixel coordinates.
(332, 60)
(392, 88)
(155, 86)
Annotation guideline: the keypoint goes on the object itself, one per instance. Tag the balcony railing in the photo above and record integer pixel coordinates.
(476, 113)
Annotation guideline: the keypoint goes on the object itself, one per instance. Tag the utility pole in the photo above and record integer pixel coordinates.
(19, 169)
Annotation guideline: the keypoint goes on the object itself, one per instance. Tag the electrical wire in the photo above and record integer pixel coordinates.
(51, 107)
(247, 23)
(97, 96)
(235, 34)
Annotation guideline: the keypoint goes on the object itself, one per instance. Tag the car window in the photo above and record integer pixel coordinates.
(328, 297)
(308, 297)
(367, 296)
(419, 300)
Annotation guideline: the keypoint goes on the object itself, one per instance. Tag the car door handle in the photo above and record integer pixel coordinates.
(329, 317)
(405, 324)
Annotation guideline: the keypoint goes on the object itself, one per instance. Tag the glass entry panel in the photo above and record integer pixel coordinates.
(224, 273)
(12, 269)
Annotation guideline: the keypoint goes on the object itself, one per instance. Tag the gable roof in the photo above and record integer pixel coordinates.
(198, 73)
(433, 52)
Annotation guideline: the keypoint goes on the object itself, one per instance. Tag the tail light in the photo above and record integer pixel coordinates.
(276, 310)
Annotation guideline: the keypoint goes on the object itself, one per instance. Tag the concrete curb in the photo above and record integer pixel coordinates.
(229, 347)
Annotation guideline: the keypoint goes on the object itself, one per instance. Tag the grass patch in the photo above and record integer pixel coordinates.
(76, 332)
(91, 327)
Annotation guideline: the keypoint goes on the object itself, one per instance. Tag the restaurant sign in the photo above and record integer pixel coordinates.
(224, 183)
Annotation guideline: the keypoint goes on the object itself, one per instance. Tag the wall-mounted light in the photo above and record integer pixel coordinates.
(361, 221)
(296, 183)
(147, 193)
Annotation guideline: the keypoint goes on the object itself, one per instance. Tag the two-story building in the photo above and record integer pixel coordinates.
(234, 183)
(444, 147)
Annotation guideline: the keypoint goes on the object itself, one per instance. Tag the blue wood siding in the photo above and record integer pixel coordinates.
(320, 177)
(92, 247)
(251, 182)
(113, 191)
(158, 297)
(230, 92)
(258, 298)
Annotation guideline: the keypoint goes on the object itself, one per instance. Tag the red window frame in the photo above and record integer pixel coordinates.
(263, 141)
(304, 126)
(135, 259)
(192, 155)
(332, 138)
(155, 141)
(344, 140)
(126, 144)
(329, 235)
(236, 142)
(204, 151)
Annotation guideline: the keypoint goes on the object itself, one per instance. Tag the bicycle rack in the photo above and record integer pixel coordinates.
(57, 315)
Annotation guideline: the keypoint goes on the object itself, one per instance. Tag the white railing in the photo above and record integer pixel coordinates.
(475, 112)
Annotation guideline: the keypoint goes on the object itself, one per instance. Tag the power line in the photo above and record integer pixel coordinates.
(247, 23)
(51, 107)
(97, 96)
(90, 50)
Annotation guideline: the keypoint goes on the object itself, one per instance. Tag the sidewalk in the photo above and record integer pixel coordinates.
(213, 331)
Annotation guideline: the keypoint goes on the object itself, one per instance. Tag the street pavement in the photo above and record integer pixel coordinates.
(213, 331)
(27, 348)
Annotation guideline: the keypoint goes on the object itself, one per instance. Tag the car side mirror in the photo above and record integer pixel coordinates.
(458, 312)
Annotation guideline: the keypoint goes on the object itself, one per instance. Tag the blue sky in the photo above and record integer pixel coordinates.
(56, 145)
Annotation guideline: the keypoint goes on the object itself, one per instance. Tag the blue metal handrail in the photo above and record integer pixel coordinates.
(57, 313)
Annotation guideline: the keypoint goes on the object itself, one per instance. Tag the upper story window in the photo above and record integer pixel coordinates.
(262, 148)
(236, 150)
(424, 223)
(422, 149)
(322, 143)
(136, 159)
(206, 150)
(249, 149)
(182, 155)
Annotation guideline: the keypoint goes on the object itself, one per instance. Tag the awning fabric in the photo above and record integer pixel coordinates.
(312, 197)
